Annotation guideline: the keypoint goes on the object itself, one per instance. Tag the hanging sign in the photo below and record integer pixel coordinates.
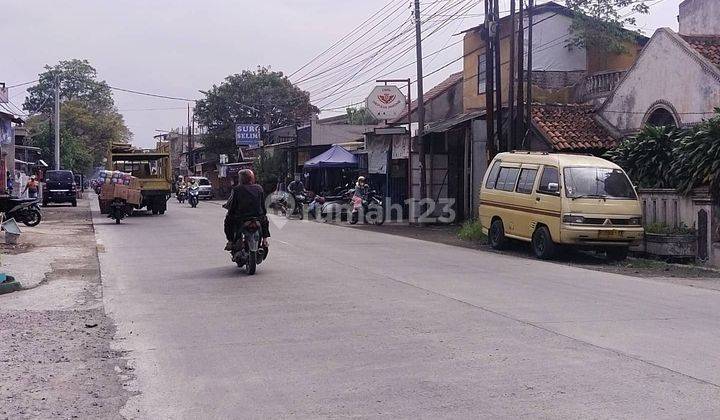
(386, 102)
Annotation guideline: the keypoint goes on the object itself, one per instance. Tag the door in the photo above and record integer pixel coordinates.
(526, 200)
(548, 203)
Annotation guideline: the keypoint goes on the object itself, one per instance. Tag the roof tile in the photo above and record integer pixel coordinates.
(708, 46)
(571, 127)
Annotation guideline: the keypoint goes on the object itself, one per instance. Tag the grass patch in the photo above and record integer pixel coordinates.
(471, 231)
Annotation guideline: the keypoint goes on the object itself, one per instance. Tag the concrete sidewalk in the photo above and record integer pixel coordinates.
(55, 355)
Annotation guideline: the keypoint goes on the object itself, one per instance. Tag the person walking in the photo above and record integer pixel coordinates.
(31, 187)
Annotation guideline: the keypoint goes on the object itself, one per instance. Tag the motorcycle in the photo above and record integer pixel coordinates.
(331, 207)
(293, 204)
(246, 250)
(370, 209)
(23, 210)
(193, 196)
(117, 210)
(181, 195)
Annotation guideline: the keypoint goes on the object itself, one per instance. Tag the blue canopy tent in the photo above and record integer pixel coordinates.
(329, 169)
(336, 157)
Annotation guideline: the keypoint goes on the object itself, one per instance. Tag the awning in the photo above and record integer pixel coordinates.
(336, 157)
(446, 125)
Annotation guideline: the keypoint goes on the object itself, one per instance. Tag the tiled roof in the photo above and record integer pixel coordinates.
(707, 46)
(571, 127)
(433, 93)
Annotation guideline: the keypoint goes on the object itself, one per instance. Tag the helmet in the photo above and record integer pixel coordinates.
(33, 177)
(361, 178)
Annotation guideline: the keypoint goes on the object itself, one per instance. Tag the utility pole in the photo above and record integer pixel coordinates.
(488, 34)
(498, 77)
(528, 103)
(191, 145)
(511, 80)
(57, 122)
(420, 102)
(520, 108)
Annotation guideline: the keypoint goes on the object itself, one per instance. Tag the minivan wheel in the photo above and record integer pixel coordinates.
(542, 243)
(496, 235)
(617, 253)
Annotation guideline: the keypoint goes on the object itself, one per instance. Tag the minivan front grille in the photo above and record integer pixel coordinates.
(602, 222)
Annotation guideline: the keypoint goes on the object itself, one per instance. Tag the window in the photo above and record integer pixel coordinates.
(490, 184)
(506, 179)
(550, 176)
(526, 181)
(482, 76)
(598, 183)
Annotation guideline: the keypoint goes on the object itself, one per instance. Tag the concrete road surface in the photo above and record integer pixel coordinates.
(344, 322)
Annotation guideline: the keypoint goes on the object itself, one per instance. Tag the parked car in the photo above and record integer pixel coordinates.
(552, 199)
(206, 189)
(60, 187)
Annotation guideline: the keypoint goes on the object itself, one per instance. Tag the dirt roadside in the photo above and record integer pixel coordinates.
(688, 275)
(55, 354)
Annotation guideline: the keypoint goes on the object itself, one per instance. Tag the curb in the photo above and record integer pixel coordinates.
(10, 286)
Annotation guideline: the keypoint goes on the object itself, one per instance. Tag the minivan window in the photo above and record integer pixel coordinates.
(598, 183)
(506, 179)
(203, 181)
(550, 175)
(490, 184)
(60, 176)
(526, 181)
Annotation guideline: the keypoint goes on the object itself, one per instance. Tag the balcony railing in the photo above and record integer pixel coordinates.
(601, 84)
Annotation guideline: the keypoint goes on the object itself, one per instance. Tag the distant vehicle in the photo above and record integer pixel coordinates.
(60, 187)
(552, 199)
(151, 167)
(193, 195)
(206, 190)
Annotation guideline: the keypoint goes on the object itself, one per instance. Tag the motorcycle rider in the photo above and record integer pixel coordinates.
(295, 188)
(247, 200)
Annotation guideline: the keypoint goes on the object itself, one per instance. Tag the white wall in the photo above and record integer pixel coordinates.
(551, 33)
(665, 71)
(700, 17)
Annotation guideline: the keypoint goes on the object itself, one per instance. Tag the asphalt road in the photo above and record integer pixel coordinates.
(351, 322)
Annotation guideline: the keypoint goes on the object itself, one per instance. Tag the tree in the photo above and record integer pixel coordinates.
(600, 24)
(251, 97)
(270, 169)
(77, 80)
(360, 116)
(89, 121)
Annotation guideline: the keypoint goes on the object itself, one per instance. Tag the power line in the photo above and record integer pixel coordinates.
(23, 84)
(154, 95)
(352, 32)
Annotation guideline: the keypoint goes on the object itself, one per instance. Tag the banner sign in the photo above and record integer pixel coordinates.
(7, 132)
(247, 134)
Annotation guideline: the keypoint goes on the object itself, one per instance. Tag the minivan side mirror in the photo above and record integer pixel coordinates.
(553, 187)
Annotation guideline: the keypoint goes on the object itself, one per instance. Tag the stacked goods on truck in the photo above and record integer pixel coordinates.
(147, 174)
(118, 186)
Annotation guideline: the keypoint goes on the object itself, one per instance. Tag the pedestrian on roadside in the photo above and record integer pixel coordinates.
(31, 187)
(10, 183)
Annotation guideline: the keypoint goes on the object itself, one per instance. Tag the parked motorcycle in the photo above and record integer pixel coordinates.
(193, 196)
(336, 205)
(247, 251)
(23, 210)
(117, 210)
(370, 209)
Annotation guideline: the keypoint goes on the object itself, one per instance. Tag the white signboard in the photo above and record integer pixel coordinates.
(386, 103)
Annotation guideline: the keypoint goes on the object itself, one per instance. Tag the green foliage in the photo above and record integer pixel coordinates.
(664, 229)
(251, 97)
(600, 24)
(269, 169)
(89, 121)
(648, 157)
(662, 157)
(78, 82)
(360, 116)
(697, 157)
(471, 230)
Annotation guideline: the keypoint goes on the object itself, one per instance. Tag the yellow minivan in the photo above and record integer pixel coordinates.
(553, 199)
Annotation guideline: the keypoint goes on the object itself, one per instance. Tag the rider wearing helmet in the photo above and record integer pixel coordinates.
(247, 201)
(361, 188)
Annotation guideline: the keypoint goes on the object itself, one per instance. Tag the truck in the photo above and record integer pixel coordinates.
(152, 169)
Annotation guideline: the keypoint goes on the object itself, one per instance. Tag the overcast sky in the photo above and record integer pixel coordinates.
(177, 47)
